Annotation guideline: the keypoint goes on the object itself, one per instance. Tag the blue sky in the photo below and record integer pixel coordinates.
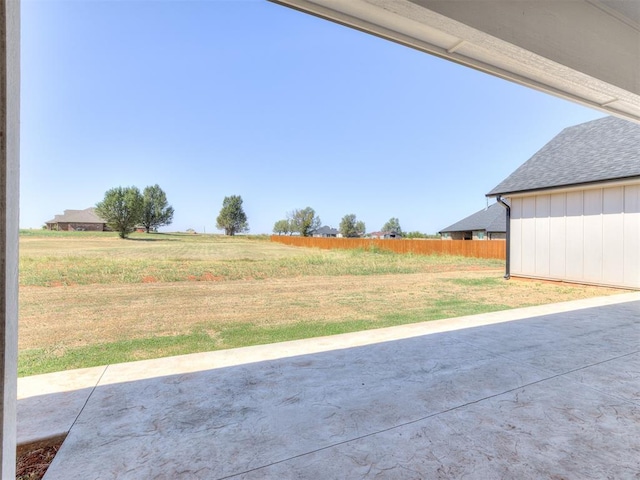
(216, 98)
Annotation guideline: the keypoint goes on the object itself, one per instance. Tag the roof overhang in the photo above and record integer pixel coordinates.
(621, 182)
(587, 51)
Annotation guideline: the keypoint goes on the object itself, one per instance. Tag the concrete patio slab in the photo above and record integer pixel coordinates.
(555, 429)
(538, 392)
(48, 405)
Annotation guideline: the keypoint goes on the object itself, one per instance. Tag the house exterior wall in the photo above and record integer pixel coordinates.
(475, 235)
(590, 235)
(453, 236)
(71, 227)
(81, 227)
(484, 235)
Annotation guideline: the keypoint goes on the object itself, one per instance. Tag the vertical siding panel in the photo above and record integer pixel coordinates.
(612, 238)
(574, 236)
(558, 235)
(593, 235)
(631, 234)
(528, 240)
(542, 235)
(516, 236)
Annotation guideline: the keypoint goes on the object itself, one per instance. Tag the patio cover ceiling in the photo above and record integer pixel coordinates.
(587, 51)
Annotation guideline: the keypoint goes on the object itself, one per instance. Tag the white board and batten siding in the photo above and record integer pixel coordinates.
(588, 236)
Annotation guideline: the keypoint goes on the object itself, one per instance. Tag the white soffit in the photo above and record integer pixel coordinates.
(587, 51)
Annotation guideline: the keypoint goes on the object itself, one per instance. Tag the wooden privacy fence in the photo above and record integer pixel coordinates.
(464, 248)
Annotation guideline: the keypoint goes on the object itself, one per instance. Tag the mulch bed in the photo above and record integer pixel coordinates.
(34, 459)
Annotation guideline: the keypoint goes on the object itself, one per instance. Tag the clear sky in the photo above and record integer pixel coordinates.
(244, 97)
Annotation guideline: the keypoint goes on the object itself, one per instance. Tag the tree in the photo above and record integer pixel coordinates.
(156, 212)
(232, 218)
(350, 227)
(282, 227)
(304, 221)
(121, 209)
(393, 225)
(415, 234)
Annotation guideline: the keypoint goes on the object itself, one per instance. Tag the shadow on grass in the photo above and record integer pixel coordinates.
(152, 239)
(38, 361)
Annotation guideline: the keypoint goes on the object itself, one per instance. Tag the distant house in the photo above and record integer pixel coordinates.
(488, 224)
(326, 232)
(78, 220)
(385, 235)
(575, 207)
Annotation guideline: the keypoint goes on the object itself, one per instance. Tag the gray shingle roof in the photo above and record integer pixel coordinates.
(599, 150)
(87, 215)
(326, 231)
(491, 219)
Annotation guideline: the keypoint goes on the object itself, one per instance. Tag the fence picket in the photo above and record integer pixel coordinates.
(465, 248)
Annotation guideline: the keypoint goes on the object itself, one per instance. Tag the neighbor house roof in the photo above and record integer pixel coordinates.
(490, 219)
(596, 151)
(88, 215)
(326, 231)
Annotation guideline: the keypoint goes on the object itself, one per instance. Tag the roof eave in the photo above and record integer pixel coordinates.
(570, 186)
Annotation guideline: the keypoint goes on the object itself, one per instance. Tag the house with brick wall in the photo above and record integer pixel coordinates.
(78, 220)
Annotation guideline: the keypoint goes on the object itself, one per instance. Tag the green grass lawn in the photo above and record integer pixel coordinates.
(90, 299)
(86, 258)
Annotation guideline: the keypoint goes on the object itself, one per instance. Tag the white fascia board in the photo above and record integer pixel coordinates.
(572, 188)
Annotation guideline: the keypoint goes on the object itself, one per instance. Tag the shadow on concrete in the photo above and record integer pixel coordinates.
(552, 396)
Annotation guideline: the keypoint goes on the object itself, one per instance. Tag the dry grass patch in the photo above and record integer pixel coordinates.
(73, 316)
(86, 260)
(92, 299)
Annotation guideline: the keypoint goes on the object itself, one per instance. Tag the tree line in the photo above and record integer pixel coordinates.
(305, 222)
(125, 208)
